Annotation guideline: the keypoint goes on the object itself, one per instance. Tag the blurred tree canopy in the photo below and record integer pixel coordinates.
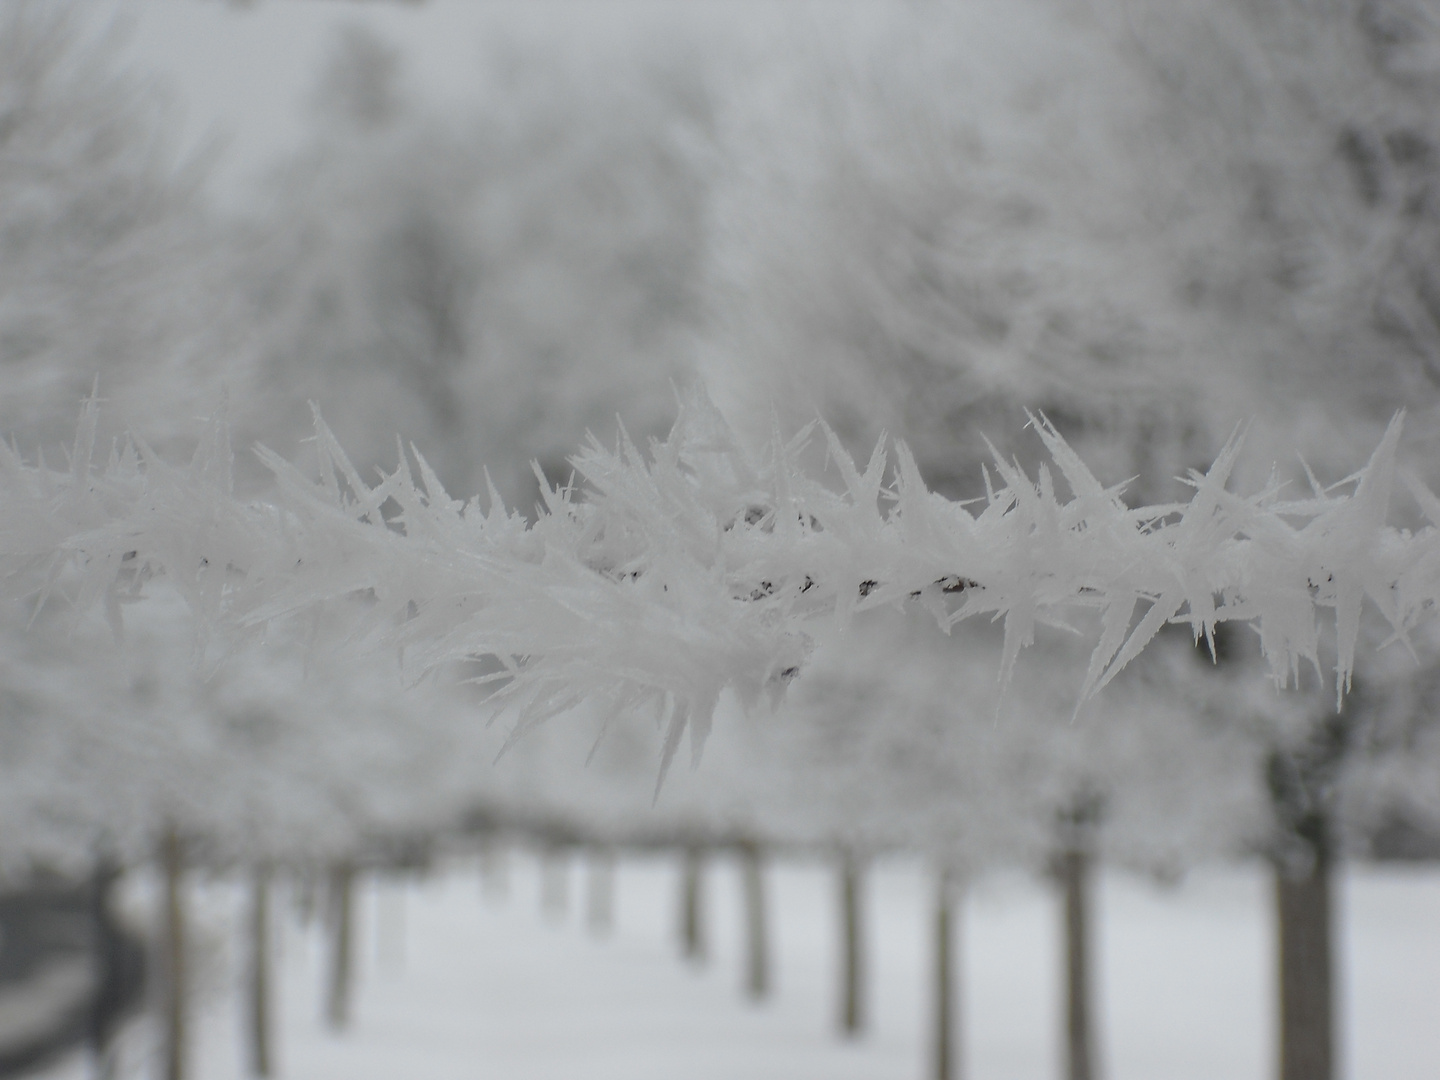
(110, 266)
(491, 284)
(1152, 221)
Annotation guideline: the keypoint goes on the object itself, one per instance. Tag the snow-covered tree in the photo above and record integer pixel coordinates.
(1150, 224)
(492, 280)
(110, 264)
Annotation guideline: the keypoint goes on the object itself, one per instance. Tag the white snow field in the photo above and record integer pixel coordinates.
(455, 984)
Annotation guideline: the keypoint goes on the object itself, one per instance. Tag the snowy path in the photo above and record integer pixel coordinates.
(456, 986)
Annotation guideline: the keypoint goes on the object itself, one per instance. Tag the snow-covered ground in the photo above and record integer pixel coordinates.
(455, 983)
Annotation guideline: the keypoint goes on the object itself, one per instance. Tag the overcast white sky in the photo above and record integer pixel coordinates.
(243, 70)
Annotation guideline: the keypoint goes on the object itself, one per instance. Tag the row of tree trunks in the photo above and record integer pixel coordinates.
(944, 1051)
(1073, 873)
(340, 973)
(259, 992)
(1304, 918)
(1304, 921)
(340, 926)
(694, 945)
(852, 1002)
(1304, 934)
(1304, 930)
(173, 982)
(174, 976)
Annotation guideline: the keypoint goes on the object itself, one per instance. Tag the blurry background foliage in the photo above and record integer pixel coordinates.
(1150, 220)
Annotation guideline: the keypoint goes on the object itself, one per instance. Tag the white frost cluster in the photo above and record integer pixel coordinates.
(691, 569)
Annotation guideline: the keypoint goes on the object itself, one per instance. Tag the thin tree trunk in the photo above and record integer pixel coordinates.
(600, 891)
(554, 883)
(1074, 871)
(1302, 779)
(342, 945)
(1307, 1020)
(757, 943)
(108, 951)
(946, 1046)
(258, 998)
(852, 945)
(692, 904)
(172, 861)
(307, 896)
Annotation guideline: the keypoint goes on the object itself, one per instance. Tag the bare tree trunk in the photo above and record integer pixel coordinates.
(306, 887)
(1302, 779)
(554, 883)
(600, 891)
(1307, 1023)
(852, 945)
(1074, 870)
(946, 1059)
(108, 951)
(172, 862)
(692, 904)
(258, 997)
(341, 896)
(757, 945)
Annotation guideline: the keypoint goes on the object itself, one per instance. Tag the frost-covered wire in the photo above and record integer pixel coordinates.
(690, 568)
